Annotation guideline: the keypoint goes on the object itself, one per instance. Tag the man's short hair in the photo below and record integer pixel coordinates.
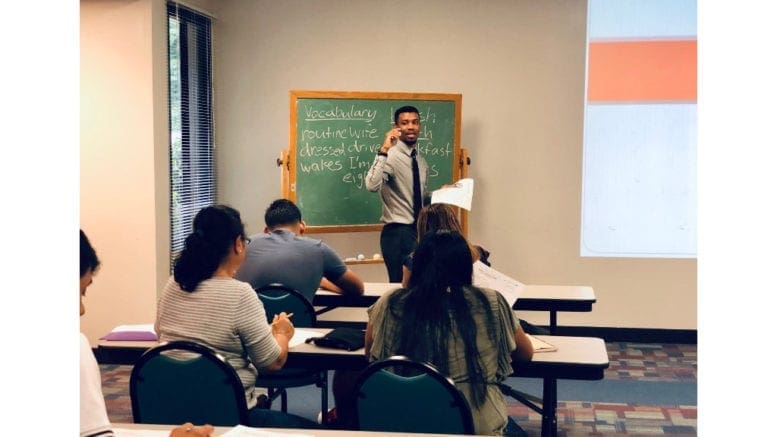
(282, 212)
(403, 110)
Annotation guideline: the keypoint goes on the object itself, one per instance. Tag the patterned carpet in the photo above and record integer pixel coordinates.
(640, 363)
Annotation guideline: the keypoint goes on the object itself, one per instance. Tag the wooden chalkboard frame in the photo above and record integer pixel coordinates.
(289, 156)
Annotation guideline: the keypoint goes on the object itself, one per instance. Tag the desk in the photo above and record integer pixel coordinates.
(352, 317)
(136, 429)
(582, 358)
(552, 298)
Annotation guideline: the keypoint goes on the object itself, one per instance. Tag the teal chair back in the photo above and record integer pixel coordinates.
(424, 402)
(200, 388)
(278, 298)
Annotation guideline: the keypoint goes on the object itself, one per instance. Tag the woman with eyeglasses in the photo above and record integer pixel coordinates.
(202, 302)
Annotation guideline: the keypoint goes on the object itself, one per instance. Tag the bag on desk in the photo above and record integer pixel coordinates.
(349, 339)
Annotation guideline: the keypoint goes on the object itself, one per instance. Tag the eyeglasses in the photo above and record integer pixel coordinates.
(246, 240)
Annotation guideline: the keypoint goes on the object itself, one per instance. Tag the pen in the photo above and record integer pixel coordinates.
(288, 316)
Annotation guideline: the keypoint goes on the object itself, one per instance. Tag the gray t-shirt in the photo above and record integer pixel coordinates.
(297, 262)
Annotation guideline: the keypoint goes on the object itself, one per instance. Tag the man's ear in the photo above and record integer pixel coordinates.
(302, 227)
(239, 244)
(266, 230)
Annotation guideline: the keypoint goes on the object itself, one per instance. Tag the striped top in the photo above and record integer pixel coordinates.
(226, 315)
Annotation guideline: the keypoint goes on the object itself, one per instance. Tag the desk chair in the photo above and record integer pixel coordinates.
(197, 386)
(278, 298)
(425, 402)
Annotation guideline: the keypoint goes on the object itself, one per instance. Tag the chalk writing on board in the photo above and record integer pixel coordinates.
(335, 142)
(337, 113)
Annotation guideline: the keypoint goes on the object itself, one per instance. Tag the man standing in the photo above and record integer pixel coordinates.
(400, 175)
(282, 254)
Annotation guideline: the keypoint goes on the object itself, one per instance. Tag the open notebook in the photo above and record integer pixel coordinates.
(541, 345)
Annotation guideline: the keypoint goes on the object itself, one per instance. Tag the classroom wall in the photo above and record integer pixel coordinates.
(520, 66)
(123, 163)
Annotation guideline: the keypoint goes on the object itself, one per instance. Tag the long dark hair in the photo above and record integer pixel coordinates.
(441, 216)
(439, 284)
(214, 231)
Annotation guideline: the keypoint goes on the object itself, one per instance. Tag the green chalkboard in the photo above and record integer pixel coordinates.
(334, 139)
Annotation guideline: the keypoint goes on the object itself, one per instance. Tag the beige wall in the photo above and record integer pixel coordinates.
(518, 64)
(124, 176)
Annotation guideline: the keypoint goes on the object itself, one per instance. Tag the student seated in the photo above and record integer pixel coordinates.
(282, 254)
(94, 417)
(470, 334)
(439, 217)
(202, 302)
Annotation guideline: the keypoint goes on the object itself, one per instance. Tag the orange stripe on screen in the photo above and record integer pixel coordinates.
(642, 71)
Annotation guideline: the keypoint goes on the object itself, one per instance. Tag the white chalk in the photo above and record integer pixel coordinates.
(360, 257)
(376, 256)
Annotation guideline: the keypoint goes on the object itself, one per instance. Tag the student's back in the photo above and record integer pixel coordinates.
(471, 335)
(493, 349)
(283, 255)
(295, 261)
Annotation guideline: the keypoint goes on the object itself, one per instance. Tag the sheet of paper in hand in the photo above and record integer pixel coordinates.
(458, 194)
(486, 277)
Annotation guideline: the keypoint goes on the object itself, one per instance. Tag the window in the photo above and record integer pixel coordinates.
(192, 175)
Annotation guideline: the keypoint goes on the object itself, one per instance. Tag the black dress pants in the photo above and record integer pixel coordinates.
(397, 240)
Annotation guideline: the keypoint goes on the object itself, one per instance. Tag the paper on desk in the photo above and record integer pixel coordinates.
(541, 345)
(240, 431)
(149, 327)
(460, 194)
(124, 432)
(486, 277)
(300, 335)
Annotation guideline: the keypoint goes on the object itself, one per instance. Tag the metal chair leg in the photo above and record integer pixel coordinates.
(324, 393)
